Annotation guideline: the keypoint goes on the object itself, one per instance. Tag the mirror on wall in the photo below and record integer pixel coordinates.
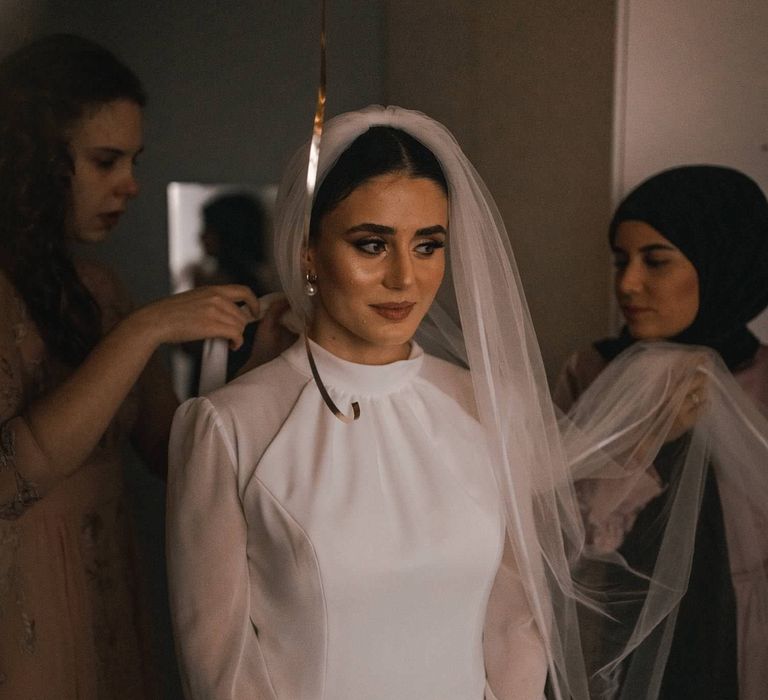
(217, 234)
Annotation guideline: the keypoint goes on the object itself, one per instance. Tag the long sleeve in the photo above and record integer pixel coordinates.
(217, 644)
(515, 660)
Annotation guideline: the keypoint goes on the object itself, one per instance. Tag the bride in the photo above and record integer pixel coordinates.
(358, 518)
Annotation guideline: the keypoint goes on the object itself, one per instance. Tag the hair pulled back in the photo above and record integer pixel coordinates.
(378, 151)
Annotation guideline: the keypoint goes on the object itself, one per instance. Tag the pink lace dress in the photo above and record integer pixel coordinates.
(71, 624)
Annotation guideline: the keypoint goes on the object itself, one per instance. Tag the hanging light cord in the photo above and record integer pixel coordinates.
(312, 165)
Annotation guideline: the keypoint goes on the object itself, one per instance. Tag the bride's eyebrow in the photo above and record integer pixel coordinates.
(382, 230)
(372, 228)
(432, 230)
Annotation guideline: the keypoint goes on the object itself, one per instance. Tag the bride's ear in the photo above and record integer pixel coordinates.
(307, 258)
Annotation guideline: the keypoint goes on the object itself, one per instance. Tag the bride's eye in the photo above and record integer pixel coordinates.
(429, 247)
(372, 246)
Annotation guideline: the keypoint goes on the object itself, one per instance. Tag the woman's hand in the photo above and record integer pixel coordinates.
(220, 311)
(693, 403)
(272, 337)
(59, 430)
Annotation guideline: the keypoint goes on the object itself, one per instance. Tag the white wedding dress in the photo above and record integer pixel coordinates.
(311, 559)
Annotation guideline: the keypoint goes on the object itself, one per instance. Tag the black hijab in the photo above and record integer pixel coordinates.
(718, 218)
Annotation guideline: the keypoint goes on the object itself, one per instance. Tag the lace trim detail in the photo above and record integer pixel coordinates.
(26, 495)
(17, 621)
(26, 491)
(7, 447)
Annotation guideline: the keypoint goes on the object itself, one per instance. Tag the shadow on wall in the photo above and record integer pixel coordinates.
(19, 22)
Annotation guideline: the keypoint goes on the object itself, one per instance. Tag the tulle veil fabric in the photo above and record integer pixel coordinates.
(551, 470)
(635, 422)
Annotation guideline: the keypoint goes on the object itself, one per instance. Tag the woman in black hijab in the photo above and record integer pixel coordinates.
(691, 255)
(718, 219)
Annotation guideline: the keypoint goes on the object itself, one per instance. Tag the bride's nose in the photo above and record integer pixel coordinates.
(399, 274)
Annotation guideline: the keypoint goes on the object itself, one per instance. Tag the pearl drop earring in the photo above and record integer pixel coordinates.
(310, 288)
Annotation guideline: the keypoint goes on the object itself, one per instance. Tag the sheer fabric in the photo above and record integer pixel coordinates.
(647, 467)
(661, 492)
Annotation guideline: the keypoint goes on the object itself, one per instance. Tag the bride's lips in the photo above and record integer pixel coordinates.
(394, 312)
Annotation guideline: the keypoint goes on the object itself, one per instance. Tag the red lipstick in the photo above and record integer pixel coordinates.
(394, 311)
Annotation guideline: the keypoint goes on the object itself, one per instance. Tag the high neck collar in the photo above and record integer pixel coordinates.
(351, 377)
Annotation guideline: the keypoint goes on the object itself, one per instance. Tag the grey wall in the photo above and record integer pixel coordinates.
(527, 88)
(19, 21)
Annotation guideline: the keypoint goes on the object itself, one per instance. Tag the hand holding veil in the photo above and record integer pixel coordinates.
(661, 438)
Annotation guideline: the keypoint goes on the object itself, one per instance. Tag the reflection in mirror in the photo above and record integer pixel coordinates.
(218, 234)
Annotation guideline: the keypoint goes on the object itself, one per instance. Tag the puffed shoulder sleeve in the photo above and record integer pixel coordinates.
(515, 660)
(217, 645)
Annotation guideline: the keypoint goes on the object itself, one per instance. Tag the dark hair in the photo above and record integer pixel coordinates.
(45, 88)
(239, 221)
(378, 151)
